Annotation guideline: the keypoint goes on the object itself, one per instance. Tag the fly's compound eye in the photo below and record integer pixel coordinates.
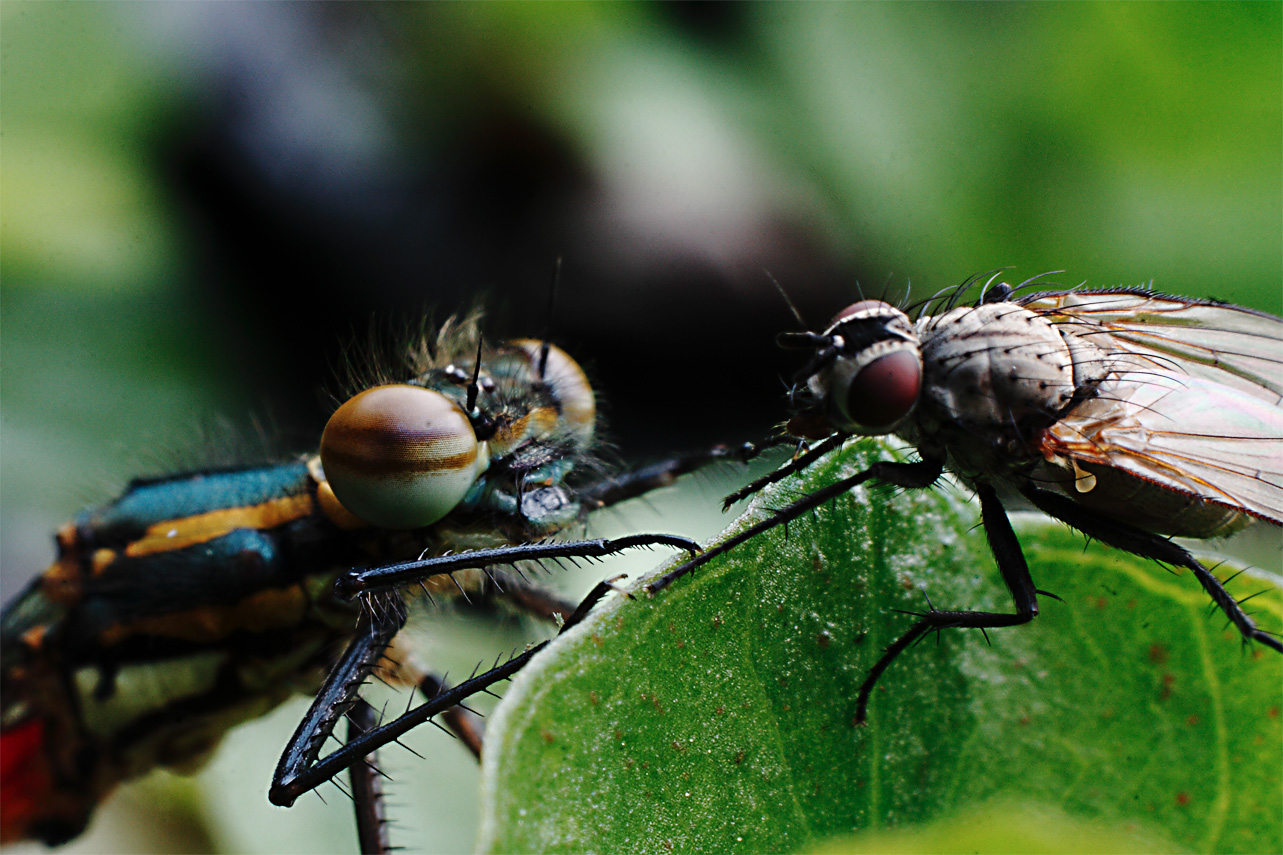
(872, 391)
(401, 456)
(862, 309)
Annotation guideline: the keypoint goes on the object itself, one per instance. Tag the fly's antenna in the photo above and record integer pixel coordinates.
(801, 322)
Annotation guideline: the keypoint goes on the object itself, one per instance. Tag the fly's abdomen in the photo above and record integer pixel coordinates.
(1145, 504)
(169, 616)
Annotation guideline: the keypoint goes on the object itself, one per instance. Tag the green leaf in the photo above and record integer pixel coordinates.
(718, 715)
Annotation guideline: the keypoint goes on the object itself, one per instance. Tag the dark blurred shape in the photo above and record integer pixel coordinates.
(709, 21)
(313, 217)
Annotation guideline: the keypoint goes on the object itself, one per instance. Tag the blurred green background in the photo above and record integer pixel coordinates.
(203, 202)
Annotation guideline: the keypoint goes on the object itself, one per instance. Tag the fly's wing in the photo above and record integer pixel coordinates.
(1197, 438)
(1229, 345)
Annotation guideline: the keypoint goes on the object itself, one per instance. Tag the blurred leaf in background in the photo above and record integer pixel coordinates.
(203, 203)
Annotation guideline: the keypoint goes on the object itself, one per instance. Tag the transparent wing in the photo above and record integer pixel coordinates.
(1194, 436)
(1230, 345)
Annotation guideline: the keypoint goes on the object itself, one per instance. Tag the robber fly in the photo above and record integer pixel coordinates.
(1129, 415)
(197, 601)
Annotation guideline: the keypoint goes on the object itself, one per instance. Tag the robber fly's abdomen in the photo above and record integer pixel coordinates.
(188, 605)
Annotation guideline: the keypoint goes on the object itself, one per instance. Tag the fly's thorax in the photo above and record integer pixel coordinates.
(994, 377)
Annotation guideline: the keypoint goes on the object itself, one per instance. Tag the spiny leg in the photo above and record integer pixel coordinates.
(458, 720)
(399, 665)
(521, 595)
(336, 696)
(301, 769)
(391, 576)
(922, 473)
(1149, 545)
(642, 480)
(797, 464)
(286, 788)
(367, 788)
(1015, 573)
(448, 699)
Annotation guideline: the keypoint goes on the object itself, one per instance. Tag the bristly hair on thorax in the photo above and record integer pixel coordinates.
(394, 352)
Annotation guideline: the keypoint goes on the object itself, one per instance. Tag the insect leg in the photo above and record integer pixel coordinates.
(457, 720)
(300, 770)
(373, 634)
(291, 783)
(365, 778)
(922, 473)
(797, 464)
(639, 481)
(1149, 545)
(391, 576)
(402, 667)
(1015, 573)
(367, 788)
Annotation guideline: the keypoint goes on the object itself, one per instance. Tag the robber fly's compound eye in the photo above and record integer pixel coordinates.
(401, 456)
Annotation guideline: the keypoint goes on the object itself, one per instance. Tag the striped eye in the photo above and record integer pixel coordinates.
(401, 456)
(876, 390)
(569, 386)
